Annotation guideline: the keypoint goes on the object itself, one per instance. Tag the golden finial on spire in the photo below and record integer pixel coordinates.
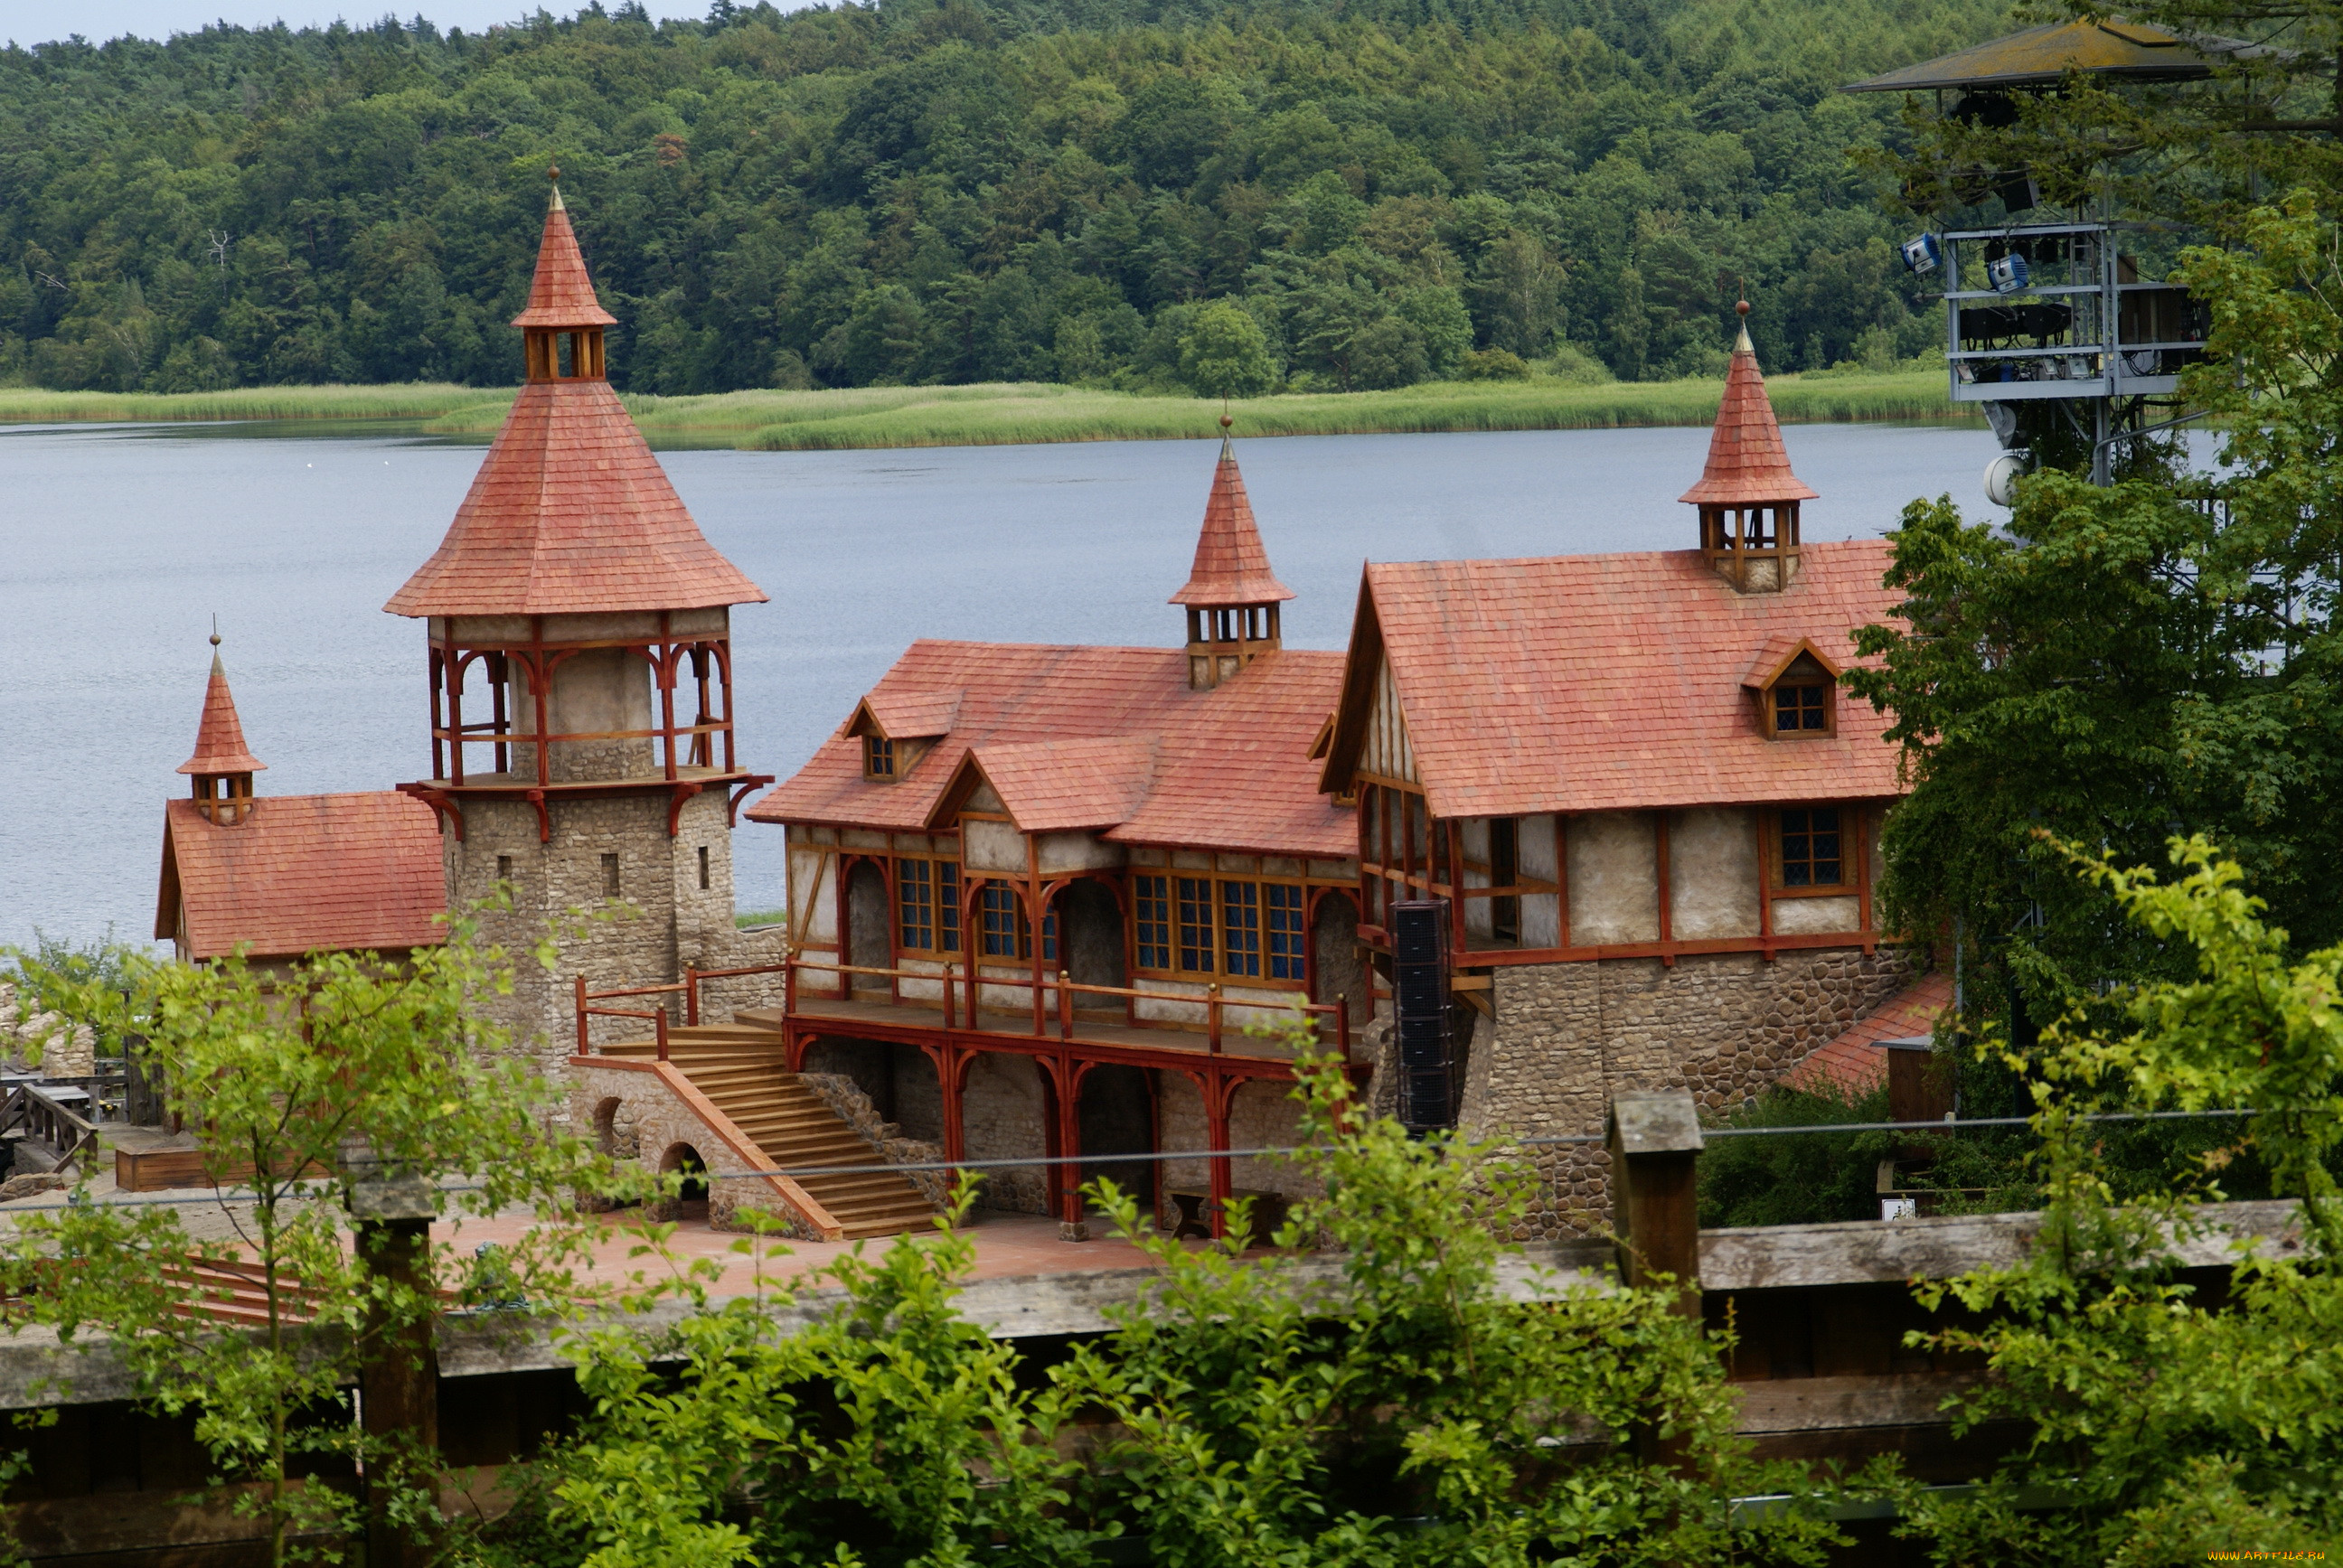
(553, 177)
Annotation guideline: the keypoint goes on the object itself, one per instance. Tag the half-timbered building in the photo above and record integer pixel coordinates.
(1651, 811)
(1049, 898)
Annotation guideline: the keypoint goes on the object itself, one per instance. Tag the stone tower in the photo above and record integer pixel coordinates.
(1747, 497)
(580, 673)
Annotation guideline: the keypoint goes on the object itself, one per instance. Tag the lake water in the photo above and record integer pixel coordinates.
(119, 544)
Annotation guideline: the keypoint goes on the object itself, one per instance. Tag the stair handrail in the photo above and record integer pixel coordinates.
(585, 1042)
(50, 1120)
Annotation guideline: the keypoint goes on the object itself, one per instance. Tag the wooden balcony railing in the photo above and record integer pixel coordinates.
(961, 992)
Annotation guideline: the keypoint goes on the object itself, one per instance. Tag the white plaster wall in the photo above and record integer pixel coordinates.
(1614, 890)
(1807, 917)
(1062, 852)
(1711, 874)
(992, 846)
(1541, 912)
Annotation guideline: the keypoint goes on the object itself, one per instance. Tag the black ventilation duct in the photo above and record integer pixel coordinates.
(1427, 1055)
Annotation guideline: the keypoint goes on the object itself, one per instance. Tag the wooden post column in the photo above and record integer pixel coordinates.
(1221, 1183)
(1072, 1226)
(1654, 1138)
(398, 1374)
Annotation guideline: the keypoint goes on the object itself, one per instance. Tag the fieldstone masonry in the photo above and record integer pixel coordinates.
(1567, 1036)
(621, 901)
(845, 1096)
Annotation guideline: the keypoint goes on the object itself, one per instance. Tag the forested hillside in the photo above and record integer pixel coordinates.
(914, 191)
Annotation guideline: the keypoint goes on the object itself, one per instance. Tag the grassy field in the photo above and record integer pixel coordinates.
(1002, 414)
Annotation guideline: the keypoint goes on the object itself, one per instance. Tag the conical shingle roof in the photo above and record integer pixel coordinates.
(1746, 464)
(561, 294)
(1231, 567)
(219, 739)
(570, 514)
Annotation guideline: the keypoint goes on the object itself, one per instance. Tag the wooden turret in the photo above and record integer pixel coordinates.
(580, 673)
(223, 766)
(1747, 495)
(1231, 596)
(574, 602)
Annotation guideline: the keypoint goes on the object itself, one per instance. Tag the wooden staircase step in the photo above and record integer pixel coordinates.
(740, 1068)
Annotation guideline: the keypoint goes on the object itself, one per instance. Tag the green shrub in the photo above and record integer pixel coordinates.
(1492, 365)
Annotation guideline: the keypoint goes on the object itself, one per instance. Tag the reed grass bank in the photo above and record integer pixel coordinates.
(1000, 414)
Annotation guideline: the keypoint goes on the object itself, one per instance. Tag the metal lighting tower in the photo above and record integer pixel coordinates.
(2050, 323)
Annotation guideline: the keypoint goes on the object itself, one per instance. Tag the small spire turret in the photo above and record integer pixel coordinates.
(223, 766)
(1232, 596)
(1747, 495)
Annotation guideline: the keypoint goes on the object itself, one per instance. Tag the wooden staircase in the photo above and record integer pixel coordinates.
(739, 1067)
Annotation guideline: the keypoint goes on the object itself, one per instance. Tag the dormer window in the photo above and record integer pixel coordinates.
(878, 757)
(1797, 689)
(1801, 702)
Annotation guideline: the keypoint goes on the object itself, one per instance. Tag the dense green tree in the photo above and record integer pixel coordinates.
(1226, 355)
(946, 190)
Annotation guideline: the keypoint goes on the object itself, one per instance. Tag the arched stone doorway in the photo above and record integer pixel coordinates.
(690, 1201)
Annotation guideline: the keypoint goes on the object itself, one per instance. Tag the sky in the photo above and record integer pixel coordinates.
(30, 22)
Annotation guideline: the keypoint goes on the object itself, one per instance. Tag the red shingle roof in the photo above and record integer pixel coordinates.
(909, 715)
(1746, 463)
(1611, 682)
(570, 514)
(1856, 1062)
(1231, 567)
(1055, 785)
(302, 873)
(1231, 766)
(219, 738)
(561, 293)
(1233, 770)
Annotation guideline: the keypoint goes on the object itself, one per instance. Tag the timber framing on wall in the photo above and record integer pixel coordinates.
(1429, 862)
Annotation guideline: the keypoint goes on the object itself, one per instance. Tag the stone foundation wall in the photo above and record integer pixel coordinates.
(647, 1123)
(1003, 1114)
(845, 1097)
(1264, 1115)
(1567, 1036)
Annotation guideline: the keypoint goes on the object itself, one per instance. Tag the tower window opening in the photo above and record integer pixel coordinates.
(609, 875)
(504, 868)
(565, 355)
(703, 868)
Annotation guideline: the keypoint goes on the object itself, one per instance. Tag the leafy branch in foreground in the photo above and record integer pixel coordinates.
(296, 1082)
(2169, 1420)
(1382, 1403)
